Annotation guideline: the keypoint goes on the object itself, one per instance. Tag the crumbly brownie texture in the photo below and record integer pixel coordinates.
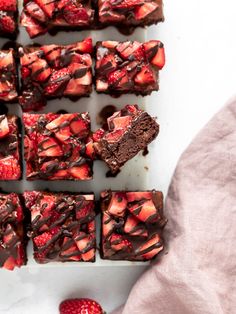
(54, 71)
(128, 67)
(58, 146)
(10, 162)
(130, 131)
(41, 16)
(12, 236)
(131, 225)
(62, 226)
(8, 81)
(126, 13)
(8, 18)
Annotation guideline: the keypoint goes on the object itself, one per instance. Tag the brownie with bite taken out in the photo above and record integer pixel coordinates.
(62, 226)
(132, 224)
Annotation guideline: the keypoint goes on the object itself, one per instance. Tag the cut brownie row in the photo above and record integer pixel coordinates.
(41, 16)
(62, 146)
(55, 71)
(62, 226)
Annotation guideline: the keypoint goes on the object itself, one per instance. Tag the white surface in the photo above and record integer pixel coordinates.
(198, 79)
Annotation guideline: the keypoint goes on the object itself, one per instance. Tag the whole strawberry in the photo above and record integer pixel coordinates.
(80, 306)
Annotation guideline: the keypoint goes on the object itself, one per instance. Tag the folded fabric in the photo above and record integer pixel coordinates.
(198, 275)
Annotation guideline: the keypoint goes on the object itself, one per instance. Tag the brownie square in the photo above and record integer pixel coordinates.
(8, 76)
(127, 14)
(41, 16)
(12, 235)
(130, 130)
(8, 18)
(10, 160)
(128, 67)
(57, 146)
(62, 226)
(55, 71)
(131, 225)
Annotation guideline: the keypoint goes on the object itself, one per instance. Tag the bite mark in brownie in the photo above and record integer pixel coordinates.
(128, 67)
(41, 16)
(130, 13)
(130, 131)
(8, 76)
(58, 146)
(10, 160)
(8, 18)
(55, 71)
(132, 224)
(12, 235)
(62, 226)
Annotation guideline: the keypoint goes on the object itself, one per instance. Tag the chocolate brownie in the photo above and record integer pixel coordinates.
(8, 18)
(62, 226)
(128, 67)
(58, 146)
(10, 160)
(55, 71)
(41, 16)
(130, 131)
(12, 234)
(132, 224)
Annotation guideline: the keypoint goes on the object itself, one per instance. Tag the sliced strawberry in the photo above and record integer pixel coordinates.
(85, 245)
(138, 196)
(75, 14)
(48, 6)
(110, 44)
(32, 26)
(82, 172)
(87, 211)
(90, 152)
(35, 11)
(131, 109)
(101, 86)
(107, 64)
(159, 58)
(10, 168)
(49, 147)
(58, 81)
(144, 210)
(130, 50)
(40, 70)
(60, 174)
(145, 76)
(118, 78)
(118, 204)
(4, 127)
(10, 263)
(85, 46)
(60, 121)
(47, 203)
(80, 306)
(52, 54)
(6, 59)
(80, 127)
(70, 250)
(119, 243)
(8, 235)
(25, 72)
(7, 24)
(144, 10)
(122, 122)
(108, 224)
(151, 247)
(98, 135)
(42, 239)
(8, 5)
(126, 4)
(134, 228)
(114, 136)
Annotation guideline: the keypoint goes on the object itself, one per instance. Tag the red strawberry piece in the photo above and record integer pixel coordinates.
(145, 76)
(35, 11)
(138, 196)
(107, 64)
(25, 72)
(108, 224)
(60, 174)
(122, 122)
(58, 81)
(30, 198)
(82, 172)
(42, 239)
(10, 168)
(40, 70)
(80, 127)
(144, 210)
(114, 136)
(144, 10)
(49, 147)
(159, 58)
(91, 227)
(4, 127)
(119, 243)
(151, 247)
(7, 24)
(98, 135)
(126, 4)
(129, 49)
(85, 46)
(47, 203)
(10, 263)
(48, 6)
(52, 54)
(70, 250)
(85, 245)
(8, 5)
(118, 204)
(75, 14)
(9, 235)
(32, 26)
(80, 306)
(90, 152)
(59, 121)
(118, 78)
(101, 86)
(87, 211)
(134, 228)
(110, 44)
(6, 59)
(131, 109)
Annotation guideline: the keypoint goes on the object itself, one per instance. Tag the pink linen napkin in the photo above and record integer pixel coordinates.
(198, 275)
